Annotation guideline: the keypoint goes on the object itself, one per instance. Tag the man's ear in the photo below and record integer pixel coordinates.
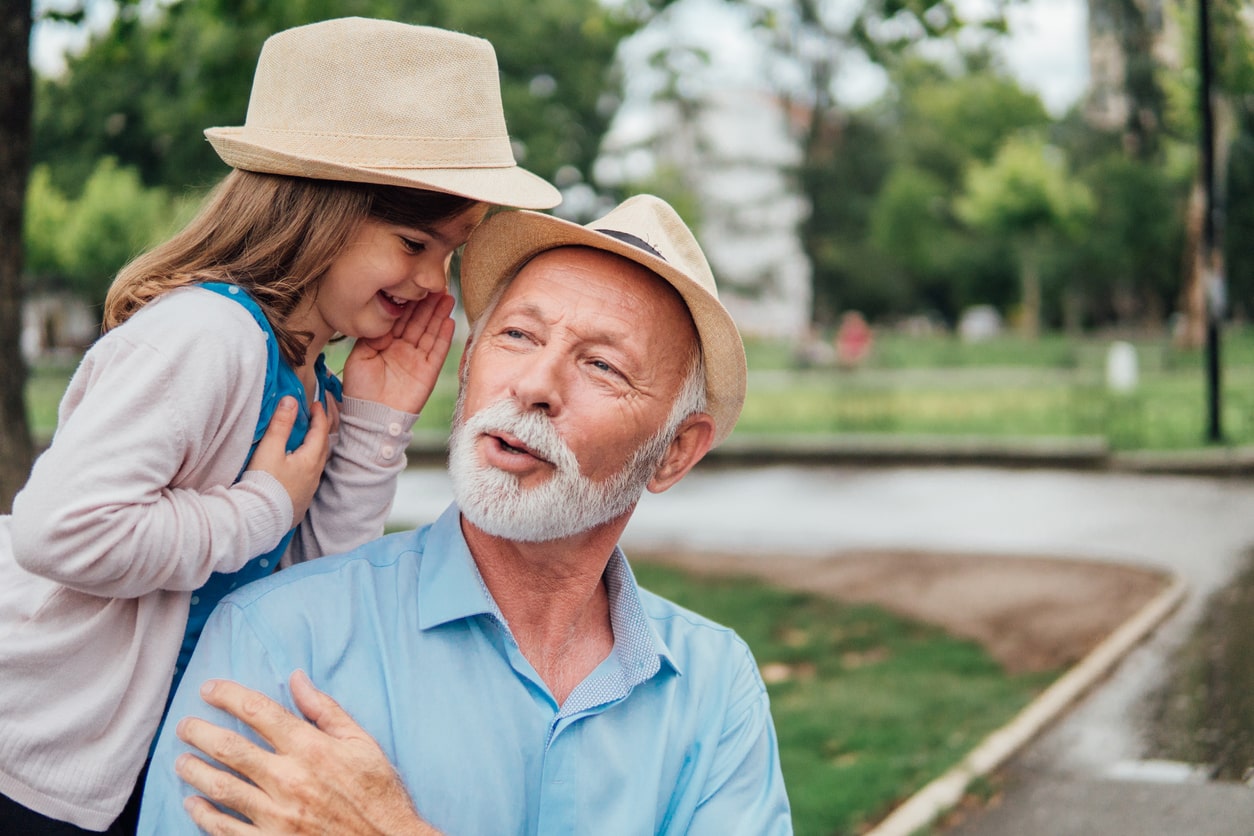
(691, 443)
(461, 363)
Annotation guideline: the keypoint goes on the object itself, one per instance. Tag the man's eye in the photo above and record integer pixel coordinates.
(602, 366)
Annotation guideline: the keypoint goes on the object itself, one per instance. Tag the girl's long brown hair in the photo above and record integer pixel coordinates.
(274, 236)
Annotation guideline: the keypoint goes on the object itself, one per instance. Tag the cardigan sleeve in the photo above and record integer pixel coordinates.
(137, 491)
(355, 496)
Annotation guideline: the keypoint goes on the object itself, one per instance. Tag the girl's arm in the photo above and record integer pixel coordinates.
(387, 381)
(136, 491)
(359, 484)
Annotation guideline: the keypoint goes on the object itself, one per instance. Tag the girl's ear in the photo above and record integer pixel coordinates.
(693, 440)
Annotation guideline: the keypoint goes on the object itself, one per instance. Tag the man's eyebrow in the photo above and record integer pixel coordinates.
(596, 336)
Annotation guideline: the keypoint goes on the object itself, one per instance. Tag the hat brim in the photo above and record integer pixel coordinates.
(501, 186)
(506, 241)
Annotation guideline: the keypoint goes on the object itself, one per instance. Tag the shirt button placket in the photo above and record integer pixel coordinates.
(559, 789)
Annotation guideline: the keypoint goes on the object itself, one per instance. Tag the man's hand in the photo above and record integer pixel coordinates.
(329, 777)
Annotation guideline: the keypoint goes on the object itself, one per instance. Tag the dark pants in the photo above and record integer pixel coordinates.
(16, 820)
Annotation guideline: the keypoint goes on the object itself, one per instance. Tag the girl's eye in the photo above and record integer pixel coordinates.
(413, 246)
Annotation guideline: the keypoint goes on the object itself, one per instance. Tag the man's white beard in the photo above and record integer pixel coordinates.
(567, 503)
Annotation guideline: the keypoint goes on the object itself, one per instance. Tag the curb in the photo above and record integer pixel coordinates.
(925, 806)
(430, 448)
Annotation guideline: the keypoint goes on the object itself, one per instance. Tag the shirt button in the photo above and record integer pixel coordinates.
(394, 429)
(387, 451)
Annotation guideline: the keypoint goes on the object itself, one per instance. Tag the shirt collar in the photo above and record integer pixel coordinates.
(449, 584)
(450, 588)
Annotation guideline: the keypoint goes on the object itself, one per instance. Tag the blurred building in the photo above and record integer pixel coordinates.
(702, 128)
(1112, 41)
(56, 323)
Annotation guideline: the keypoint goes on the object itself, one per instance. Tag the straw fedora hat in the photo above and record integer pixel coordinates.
(375, 101)
(643, 229)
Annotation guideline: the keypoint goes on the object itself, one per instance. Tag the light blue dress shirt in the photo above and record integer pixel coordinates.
(671, 733)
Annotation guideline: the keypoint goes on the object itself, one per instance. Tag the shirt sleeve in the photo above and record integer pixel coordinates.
(745, 791)
(359, 484)
(137, 491)
(228, 649)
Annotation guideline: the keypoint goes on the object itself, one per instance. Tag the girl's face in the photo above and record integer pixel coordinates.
(383, 270)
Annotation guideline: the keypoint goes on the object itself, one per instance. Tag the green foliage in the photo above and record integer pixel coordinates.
(1025, 193)
(44, 223)
(883, 230)
(950, 120)
(145, 90)
(83, 242)
(1126, 267)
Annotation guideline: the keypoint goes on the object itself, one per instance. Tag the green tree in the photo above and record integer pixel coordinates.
(841, 186)
(940, 123)
(946, 119)
(1128, 261)
(46, 217)
(80, 243)
(1027, 196)
(145, 90)
(113, 220)
(821, 37)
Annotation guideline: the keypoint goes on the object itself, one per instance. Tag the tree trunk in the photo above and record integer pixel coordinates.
(1191, 332)
(16, 449)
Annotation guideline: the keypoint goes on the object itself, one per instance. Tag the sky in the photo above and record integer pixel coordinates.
(1047, 49)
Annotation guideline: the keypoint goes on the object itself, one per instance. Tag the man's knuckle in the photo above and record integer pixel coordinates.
(254, 704)
(219, 786)
(229, 748)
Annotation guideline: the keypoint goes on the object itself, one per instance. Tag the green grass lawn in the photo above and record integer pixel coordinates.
(868, 707)
(1004, 388)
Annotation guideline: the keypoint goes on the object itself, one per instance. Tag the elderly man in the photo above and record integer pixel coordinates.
(503, 658)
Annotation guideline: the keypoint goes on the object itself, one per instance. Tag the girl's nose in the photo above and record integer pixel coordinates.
(432, 278)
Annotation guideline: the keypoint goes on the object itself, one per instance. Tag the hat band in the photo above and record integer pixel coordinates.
(386, 151)
(635, 241)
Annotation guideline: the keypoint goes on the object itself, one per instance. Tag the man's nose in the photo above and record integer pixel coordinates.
(540, 382)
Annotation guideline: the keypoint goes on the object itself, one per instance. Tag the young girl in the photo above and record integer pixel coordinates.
(202, 442)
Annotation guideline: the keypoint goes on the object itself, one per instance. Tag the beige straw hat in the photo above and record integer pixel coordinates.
(375, 101)
(644, 229)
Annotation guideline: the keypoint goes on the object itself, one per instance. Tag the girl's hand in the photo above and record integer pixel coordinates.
(400, 369)
(299, 471)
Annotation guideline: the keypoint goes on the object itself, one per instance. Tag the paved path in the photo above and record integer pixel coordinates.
(1084, 775)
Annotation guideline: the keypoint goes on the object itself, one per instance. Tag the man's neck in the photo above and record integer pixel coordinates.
(554, 598)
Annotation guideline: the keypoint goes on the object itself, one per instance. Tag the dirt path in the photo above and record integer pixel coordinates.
(1030, 613)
